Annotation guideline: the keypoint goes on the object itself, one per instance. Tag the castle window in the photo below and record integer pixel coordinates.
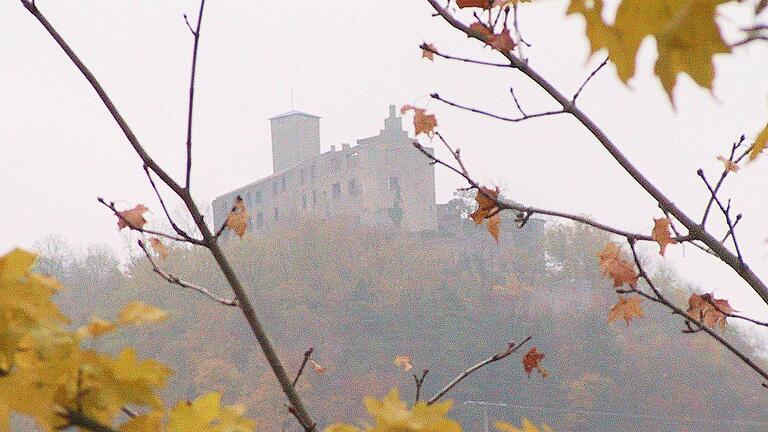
(274, 187)
(352, 160)
(314, 198)
(303, 176)
(394, 183)
(277, 214)
(285, 181)
(336, 190)
(335, 164)
(248, 199)
(257, 196)
(312, 173)
(352, 185)
(304, 201)
(259, 219)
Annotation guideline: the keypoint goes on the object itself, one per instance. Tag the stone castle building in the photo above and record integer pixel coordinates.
(383, 180)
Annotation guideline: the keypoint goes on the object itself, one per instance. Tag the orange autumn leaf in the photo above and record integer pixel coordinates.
(487, 210)
(502, 41)
(320, 369)
(661, 233)
(428, 52)
(729, 164)
(473, 3)
(532, 360)
(133, 218)
(422, 122)
(614, 266)
(237, 219)
(708, 310)
(404, 362)
(159, 247)
(626, 308)
(481, 31)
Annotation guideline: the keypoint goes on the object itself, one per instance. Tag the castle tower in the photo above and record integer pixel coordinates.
(295, 138)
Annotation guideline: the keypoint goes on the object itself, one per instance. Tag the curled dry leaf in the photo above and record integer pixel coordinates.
(708, 310)
(159, 247)
(613, 266)
(318, 367)
(428, 52)
(237, 219)
(626, 308)
(487, 210)
(661, 233)
(422, 122)
(404, 362)
(729, 164)
(532, 360)
(133, 218)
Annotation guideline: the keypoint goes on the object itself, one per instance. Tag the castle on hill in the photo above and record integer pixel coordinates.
(383, 180)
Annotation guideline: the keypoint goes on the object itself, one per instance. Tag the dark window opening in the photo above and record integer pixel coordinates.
(336, 190)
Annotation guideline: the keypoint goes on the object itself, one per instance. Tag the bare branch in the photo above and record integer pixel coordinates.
(181, 282)
(419, 382)
(426, 47)
(496, 116)
(584, 84)
(725, 210)
(175, 227)
(723, 175)
(494, 358)
(111, 206)
(307, 355)
(517, 103)
(196, 34)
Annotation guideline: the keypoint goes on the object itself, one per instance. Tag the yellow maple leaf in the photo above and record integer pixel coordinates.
(150, 422)
(759, 144)
(626, 308)
(206, 414)
(136, 312)
(96, 327)
(527, 426)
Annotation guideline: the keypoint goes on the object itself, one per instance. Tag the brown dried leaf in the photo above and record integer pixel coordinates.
(661, 233)
(318, 367)
(133, 218)
(626, 308)
(612, 265)
(404, 362)
(729, 164)
(708, 310)
(422, 122)
(502, 41)
(532, 360)
(487, 210)
(428, 53)
(159, 247)
(237, 219)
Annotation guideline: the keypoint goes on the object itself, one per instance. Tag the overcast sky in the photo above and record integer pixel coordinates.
(346, 61)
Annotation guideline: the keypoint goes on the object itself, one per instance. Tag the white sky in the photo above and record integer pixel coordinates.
(347, 61)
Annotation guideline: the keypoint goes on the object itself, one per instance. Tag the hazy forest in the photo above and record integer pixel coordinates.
(517, 313)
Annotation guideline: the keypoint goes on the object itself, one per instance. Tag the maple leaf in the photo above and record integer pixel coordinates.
(612, 265)
(404, 362)
(133, 218)
(627, 309)
(708, 310)
(136, 313)
(661, 233)
(729, 164)
(484, 4)
(159, 247)
(480, 31)
(527, 426)
(428, 52)
(759, 144)
(237, 219)
(487, 210)
(532, 360)
(502, 41)
(150, 422)
(422, 122)
(318, 367)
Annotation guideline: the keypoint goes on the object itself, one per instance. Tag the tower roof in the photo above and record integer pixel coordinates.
(292, 113)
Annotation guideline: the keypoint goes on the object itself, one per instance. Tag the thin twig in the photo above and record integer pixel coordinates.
(196, 34)
(181, 282)
(420, 382)
(517, 103)
(128, 223)
(426, 47)
(725, 210)
(723, 175)
(496, 116)
(307, 355)
(494, 358)
(584, 84)
(175, 227)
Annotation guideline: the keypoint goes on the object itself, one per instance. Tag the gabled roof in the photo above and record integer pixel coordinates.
(293, 112)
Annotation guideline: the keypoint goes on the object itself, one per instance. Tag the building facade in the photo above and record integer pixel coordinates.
(383, 180)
